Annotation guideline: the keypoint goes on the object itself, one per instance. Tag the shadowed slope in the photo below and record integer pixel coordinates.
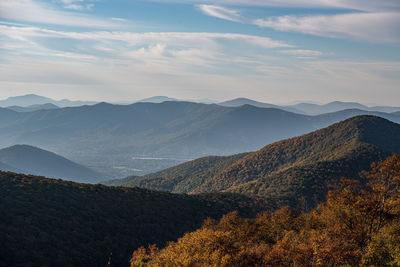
(33, 160)
(47, 222)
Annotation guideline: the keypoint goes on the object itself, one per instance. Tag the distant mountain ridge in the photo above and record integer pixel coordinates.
(311, 108)
(315, 109)
(300, 108)
(32, 160)
(157, 99)
(245, 101)
(33, 107)
(32, 99)
(299, 166)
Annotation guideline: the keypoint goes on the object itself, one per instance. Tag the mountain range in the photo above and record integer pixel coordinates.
(33, 107)
(121, 140)
(32, 100)
(310, 108)
(315, 109)
(282, 172)
(32, 160)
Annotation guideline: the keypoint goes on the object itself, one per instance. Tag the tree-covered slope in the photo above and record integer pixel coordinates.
(47, 222)
(335, 142)
(183, 178)
(304, 186)
(294, 171)
(33, 160)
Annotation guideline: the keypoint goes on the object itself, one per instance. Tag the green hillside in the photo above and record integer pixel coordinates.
(301, 166)
(47, 222)
(338, 141)
(183, 178)
(304, 186)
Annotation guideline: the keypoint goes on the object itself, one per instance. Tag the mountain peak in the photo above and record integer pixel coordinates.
(327, 144)
(157, 99)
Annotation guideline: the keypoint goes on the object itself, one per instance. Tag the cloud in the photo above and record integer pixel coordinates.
(361, 5)
(300, 53)
(220, 12)
(172, 53)
(38, 12)
(185, 39)
(79, 7)
(182, 65)
(373, 27)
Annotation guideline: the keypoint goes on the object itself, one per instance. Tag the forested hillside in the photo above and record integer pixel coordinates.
(183, 178)
(301, 166)
(47, 222)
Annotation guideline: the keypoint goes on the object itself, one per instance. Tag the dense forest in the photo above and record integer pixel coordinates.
(358, 225)
(48, 222)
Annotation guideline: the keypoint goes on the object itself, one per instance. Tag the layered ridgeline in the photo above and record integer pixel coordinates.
(294, 171)
(32, 160)
(32, 100)
(143, 137)
(237, 102)
(310, 108)
(315, 109)
(33, 107)
(47, 222)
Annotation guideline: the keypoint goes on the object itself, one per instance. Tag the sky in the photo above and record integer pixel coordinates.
(275, 51)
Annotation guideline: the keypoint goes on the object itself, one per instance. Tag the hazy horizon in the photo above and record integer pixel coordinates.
(216, 101)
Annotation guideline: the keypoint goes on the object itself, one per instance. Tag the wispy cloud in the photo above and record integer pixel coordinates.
(361, 5)
(221, 12)
(375, 27)
(79, 7)
(182, 64)
(38, 12)
(188, 39)
(161, 52)
(301, 53)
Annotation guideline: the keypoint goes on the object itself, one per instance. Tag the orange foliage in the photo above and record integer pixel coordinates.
(358, 225)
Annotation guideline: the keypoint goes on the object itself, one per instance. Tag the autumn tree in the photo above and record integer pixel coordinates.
(359, 224)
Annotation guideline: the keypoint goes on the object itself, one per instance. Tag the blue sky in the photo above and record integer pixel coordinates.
(269, 50)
